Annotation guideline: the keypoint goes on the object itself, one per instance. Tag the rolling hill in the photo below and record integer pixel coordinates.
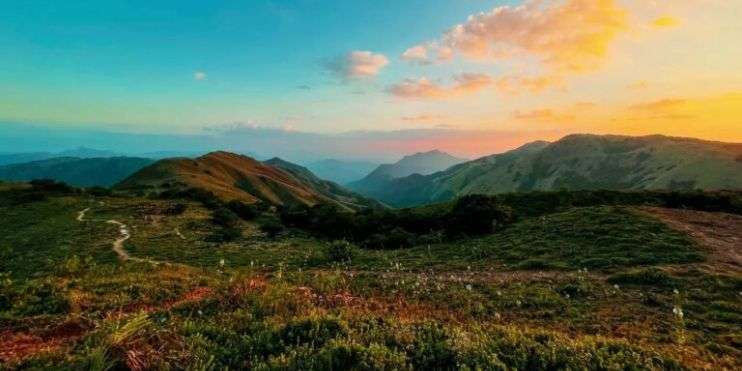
(578, 162)
(423, 163)
(236, 177)
(341, 171)
(81, 172)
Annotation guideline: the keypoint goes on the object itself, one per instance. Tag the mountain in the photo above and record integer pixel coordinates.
(79, 152)
(236, 177)
(341, 172)
(579, 162)
(18, 158)
(81, 172)
(420, 163)
(85, 152)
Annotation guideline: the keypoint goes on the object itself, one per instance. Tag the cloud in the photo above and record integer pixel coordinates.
(358, 65)
(417, 53)
(199, 76)
(563, 37)
(665, 21)
(639, 85)
(425, 117)
(543, 115)
(659, 105)
(303, 87)
(423, 88)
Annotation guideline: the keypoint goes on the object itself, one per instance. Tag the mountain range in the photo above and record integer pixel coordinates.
(237, 177)
(341, 171)
(80, 172)
(423, 163)
(577, 162)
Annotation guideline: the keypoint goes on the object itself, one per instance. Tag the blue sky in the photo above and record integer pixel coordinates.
(141, 56)
(473, 77)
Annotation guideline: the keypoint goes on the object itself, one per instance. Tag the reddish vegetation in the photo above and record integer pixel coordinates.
(15, 346)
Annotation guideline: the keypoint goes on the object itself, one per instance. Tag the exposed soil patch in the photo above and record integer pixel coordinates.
(720, 234)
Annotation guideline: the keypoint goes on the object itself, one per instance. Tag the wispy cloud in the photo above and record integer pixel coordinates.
(423, 88)
(543, 115)
(199, 76)
(358, 65)
(665, 21)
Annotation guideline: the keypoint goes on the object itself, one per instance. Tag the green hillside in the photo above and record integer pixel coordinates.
(579, 162)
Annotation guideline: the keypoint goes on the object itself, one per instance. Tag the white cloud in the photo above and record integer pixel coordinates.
(199, 75)
(359, 65)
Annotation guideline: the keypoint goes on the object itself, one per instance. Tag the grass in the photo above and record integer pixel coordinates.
(518, 299)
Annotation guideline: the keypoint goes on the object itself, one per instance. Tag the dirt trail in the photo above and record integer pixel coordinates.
(720, 234)
(81, 215)
(118, 244)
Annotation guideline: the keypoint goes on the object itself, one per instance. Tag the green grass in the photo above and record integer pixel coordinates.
(593, 237)
(511, 300)
(37, 236)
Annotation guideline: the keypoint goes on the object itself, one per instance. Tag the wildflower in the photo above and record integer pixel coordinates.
(221, 263)
(499, 293)
(468, 287)
(497, 316)
(678, 312)
(566, 296)
(200, 313)
(518, 302)
(616, 287)
(675, 291)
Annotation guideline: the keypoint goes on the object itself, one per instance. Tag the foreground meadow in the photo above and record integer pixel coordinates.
(594, 287)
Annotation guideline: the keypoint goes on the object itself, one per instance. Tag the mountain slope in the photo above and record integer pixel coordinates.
(420, 163)
(341, 172)
(580, 162)
(236, 177)
(81, 172)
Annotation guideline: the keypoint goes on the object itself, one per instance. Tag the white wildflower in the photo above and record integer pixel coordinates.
(468, 287)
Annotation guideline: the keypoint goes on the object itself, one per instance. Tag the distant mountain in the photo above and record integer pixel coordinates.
(424, 163)
(579, 162)
(341, 172)
(85, 152)
(236, 177)
(79, 152)
(81, 172)
(18, 158)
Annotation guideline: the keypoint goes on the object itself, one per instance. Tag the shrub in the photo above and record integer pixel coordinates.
(226, 234)
(477, 214)
(340, 251)
(176, 209)
(396, 238)
(272, 227)
(243, 210)
(224, 217)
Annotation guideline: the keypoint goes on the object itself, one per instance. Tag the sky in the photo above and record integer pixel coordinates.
(364, 78)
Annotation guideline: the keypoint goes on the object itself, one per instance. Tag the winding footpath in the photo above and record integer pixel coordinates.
(118, 244)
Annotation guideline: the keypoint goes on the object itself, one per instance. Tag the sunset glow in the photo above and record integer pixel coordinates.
(490, 74)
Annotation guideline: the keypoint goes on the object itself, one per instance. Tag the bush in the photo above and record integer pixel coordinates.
(477, 214)
(176, 209)
(224, 217)
(98, 191)
(340, 251)
(397, 238)
(243, 210)
(226, 234)
(272, 227)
